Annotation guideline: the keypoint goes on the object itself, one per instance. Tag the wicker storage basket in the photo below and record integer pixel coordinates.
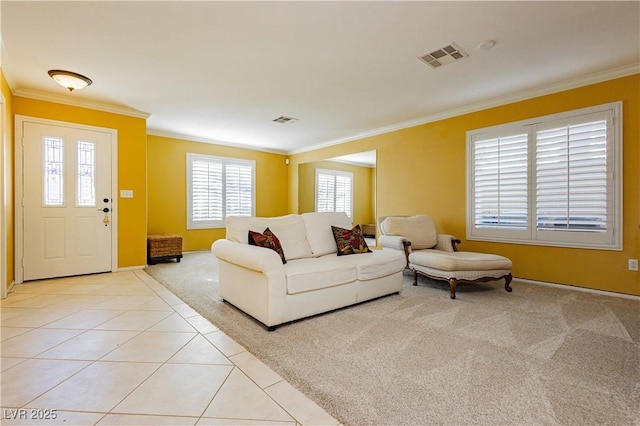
(163, 246)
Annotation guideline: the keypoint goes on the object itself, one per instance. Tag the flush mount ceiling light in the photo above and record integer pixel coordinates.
(70, 80)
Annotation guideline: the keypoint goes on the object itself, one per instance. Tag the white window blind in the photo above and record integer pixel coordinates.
(549, 180)
(334, 191)
(500, 189)
(218, 187)
(571, 177)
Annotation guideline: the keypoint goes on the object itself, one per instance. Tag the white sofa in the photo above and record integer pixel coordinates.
(314, 279)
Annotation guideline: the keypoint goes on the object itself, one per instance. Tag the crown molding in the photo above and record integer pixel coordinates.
(50, 97)
(599, 77)
(495, 102)
(164, 134)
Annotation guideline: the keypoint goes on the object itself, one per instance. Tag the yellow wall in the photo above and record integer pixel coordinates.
(422, 170)
(362, 188)
(7, 169)
(132, 168)
(419, 170)
(167, 159)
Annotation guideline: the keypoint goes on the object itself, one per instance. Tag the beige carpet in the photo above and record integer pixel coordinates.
(539, 355)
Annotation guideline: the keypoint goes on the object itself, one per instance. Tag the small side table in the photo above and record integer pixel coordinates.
(163, 247)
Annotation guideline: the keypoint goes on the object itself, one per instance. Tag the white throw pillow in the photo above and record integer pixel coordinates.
(419, 229)
(289, 229)
(319, 233)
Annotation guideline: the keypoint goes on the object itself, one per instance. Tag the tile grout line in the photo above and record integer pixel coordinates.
(172, 301)
(235, 366)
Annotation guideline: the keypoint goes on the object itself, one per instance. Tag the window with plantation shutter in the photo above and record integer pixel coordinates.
(218, 187)
(334, 191)
(553, 180)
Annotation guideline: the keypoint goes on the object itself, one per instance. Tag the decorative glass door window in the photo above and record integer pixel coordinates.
(53, 171)
(86, 194)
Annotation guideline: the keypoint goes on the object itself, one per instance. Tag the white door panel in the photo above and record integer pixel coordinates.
(66, 178)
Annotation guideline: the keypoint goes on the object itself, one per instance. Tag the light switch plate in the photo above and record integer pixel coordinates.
(126, 193)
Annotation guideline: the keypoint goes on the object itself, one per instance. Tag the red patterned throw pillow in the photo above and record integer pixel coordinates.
(350, 241)
(268, 240)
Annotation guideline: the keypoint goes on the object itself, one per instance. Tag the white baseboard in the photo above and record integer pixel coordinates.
(576, 288)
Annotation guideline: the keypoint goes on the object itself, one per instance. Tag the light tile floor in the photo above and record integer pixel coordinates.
(120, 349)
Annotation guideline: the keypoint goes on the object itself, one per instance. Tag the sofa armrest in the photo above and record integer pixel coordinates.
(396, 242)
(252, 279)
(447, 243)
(255, 258)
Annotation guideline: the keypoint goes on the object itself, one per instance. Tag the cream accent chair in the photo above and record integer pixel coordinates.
(436, 256)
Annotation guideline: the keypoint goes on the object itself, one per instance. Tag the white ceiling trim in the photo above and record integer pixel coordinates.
(503, 100)
(161, 133)
(49, 97)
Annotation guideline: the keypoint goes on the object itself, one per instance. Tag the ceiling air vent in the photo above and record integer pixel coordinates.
(285, 120)
(443, 56)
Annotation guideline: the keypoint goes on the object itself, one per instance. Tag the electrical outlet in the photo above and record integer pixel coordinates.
(633, 264)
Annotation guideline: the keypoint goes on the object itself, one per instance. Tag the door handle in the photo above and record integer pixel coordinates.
(106, 210)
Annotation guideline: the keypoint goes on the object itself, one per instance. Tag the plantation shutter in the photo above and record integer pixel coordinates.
(554, 180)
(325, 192)
(500, 182)
(343, 194)
(217, 188)
(239, 178)
(334, 191)
(206, 191)
(571, 177)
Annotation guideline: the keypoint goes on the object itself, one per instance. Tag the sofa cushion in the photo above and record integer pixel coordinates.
(350, 241)
(319, 235)
(459, 260)
(289, 229)
(267, 240)
(419, 229)
(316, 273)
(380, 263)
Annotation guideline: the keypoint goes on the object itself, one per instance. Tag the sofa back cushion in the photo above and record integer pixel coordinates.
(290, 230)
(319, 234)
(419, 229)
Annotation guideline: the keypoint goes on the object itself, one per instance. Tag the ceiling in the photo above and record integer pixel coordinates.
(223, 71)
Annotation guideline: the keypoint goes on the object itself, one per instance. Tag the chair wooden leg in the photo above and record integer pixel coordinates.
(452, 284)
(415, 277)
(507, 281)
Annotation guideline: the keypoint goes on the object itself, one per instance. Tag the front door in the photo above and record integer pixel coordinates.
(67, 207)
